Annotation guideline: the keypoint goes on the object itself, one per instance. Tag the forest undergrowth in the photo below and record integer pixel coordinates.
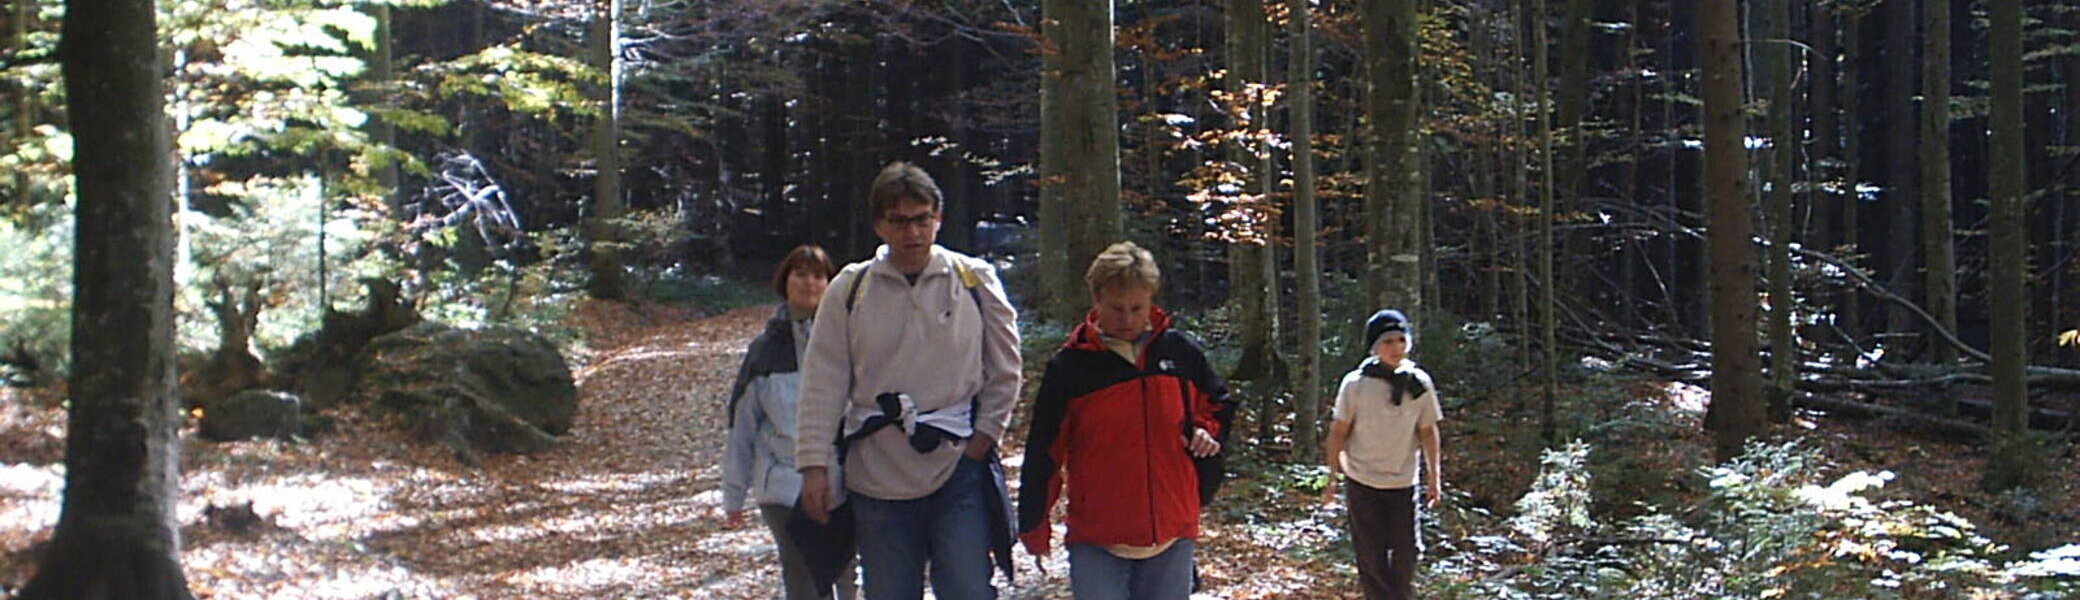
(628, 505)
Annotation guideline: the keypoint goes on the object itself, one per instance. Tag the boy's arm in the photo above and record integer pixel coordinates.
(1341, 417)
(1433, 447)
(1039, 482)
(1211, 408)
(1339, 436)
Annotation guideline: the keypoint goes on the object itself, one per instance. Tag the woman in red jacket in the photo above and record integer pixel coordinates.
(1124, 409)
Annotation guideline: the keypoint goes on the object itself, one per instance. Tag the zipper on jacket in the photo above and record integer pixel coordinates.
(1149, 459)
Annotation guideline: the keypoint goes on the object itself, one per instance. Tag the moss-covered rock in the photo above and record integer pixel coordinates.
(498, 390)
(251, 414)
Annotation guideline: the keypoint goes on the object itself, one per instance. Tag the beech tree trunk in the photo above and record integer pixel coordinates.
(1300, 86)
(1089, 118)
(607, 206)
(117, 535)
(1057, 274)
(1393, 251)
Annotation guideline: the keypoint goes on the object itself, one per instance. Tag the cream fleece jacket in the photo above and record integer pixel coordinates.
(932, 340)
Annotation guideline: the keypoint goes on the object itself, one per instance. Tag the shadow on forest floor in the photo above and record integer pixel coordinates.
(628, 506)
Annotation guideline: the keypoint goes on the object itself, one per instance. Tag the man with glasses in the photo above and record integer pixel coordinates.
(913, 367)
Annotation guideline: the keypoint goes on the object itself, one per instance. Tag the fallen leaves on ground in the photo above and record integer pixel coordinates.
(628, 506)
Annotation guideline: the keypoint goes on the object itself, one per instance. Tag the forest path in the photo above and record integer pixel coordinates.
(627, 506)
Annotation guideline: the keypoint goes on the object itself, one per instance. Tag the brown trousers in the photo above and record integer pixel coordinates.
(1383, 532)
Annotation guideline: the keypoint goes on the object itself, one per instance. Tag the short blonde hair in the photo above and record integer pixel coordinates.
(1120, 265)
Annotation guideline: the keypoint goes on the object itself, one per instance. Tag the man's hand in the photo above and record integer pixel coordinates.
(1202, 443)
(980, 445)
(1329, 490)
(1436, 491)
(816, 494)
(734, 519)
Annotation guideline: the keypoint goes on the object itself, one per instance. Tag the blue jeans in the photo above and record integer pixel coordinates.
(1095, 574)
(949, 529)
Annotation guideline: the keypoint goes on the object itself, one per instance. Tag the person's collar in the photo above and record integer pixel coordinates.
(1146, 335)
(939, 262)
(792, 314)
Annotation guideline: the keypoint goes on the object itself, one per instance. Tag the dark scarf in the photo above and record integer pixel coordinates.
(1401, 383)
(772, 352)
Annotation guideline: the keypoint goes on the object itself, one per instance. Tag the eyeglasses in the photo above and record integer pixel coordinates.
(923, 219)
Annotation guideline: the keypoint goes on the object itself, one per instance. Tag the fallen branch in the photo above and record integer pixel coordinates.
(1843, 405)
(1868, 284)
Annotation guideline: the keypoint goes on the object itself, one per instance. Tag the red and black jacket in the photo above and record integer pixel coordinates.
(1117, 429)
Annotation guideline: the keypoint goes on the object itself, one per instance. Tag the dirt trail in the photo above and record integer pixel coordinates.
(628, 506)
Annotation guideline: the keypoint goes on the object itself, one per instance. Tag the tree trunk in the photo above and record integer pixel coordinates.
(2062, 212)
(1783, 171)
(24, 118)
(1300, 86)
(1090, 128)
(381, 71)
(1852, 159)
(1630, 252)
(1058, 271)
(1573, 103)
(1248, 33)
(1549, 359)
(1826, 204)
(2008, 257)
(1520, 169)
(603, 240)
(118, 535)
(1486, 161)
(1901, 181)
(1393, 255)
(1940, 291)
(1736, 411)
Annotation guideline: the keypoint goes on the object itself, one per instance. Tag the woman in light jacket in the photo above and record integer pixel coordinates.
(758, 462)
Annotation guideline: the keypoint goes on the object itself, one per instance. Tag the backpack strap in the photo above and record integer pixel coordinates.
(969, 280)
(859, 282)
(960, 268)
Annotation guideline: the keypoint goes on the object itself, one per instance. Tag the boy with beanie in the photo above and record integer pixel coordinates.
(1385, 417)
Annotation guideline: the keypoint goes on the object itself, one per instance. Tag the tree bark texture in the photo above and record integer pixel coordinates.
(1393, 251)
(2008, 259)
(1736, 411)
(117, 535)
(1300, 85)
(602, 240)
(1090, 128)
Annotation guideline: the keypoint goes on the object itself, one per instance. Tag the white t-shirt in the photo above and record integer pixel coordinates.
(1383, 447)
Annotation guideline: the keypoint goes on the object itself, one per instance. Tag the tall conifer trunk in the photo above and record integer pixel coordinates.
(1736, 411)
